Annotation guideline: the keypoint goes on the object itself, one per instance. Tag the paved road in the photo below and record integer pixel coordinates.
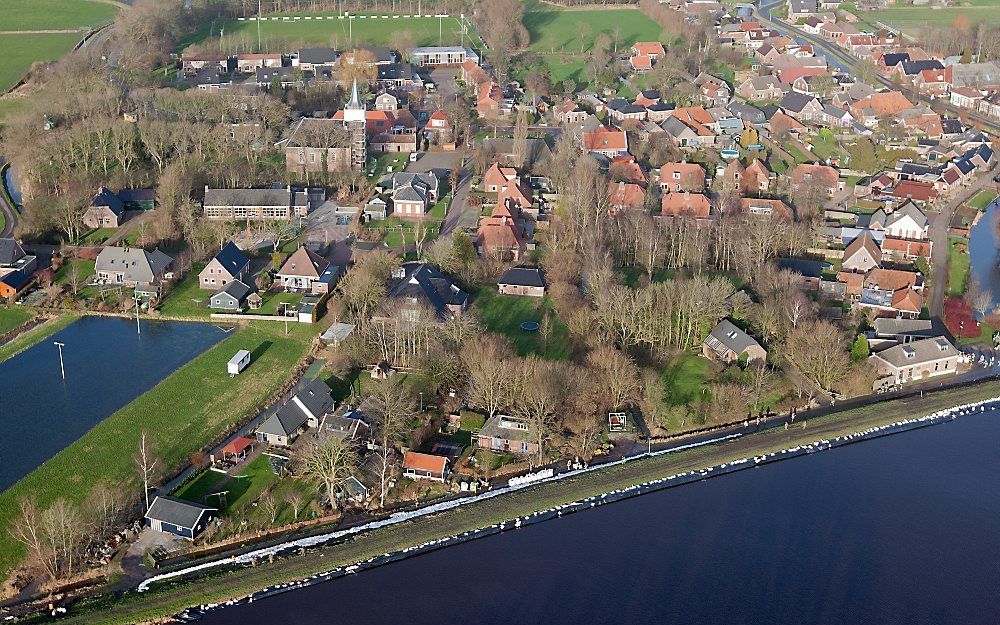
(840, 58)
(939, 224)
(10, 214)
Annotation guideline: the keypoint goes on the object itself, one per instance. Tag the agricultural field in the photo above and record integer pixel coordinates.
(555, 29)
(910, 19)
(289, 32)
(20, 50)
(183, 412)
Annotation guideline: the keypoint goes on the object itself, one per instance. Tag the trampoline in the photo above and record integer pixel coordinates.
(529, 326)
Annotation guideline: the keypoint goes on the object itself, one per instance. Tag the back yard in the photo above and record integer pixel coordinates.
(504, 314)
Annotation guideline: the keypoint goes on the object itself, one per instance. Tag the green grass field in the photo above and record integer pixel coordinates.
(504, 314)
(982, 199)
(958, 267)
(21, 50)
(55, 14)
(324, 29)
(10, 318)
(182, 413)
(559, 30)
(911, 19)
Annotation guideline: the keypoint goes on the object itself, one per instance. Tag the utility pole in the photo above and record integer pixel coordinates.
(62, 368)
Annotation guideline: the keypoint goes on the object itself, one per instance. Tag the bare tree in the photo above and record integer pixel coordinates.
(491, 382)
(294, 500)
(270, 505)
(331, 460)
(540, 396)
(394, 404)
(819, 351)
(53, 537)
(146, 464)
(617, 374)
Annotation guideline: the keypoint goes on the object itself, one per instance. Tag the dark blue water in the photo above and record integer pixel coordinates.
(901, 530)
(107, 366)
(983, 252)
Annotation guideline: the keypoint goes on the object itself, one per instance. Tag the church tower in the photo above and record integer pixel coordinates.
(354, 119)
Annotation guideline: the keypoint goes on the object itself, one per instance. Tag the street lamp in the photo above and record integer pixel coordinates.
(421, 401)
(62, 368)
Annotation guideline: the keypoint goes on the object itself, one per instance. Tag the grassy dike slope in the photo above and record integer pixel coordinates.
(134, 608)
(182, 413)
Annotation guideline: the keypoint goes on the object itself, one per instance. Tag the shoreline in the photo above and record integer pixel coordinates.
(669, 482)
(543, 500)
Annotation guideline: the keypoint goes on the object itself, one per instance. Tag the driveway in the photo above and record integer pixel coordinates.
(134, 560)
(444, 83)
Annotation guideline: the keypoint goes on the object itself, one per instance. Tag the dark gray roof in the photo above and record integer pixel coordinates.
(177, 511)
(316, 398)
(232, 258)
(137, 195)
(746, 112)
(911, 68)
(253, 197)
(804, 266)
(237, 289)
(795, 101)
(266, 74)
(395, 71)
(317, 56)
(522, 276)
(509, 428)
(382, 54)
(917, 352)
(732, 337)
(10, 252)
(105, 197)
(136, 263)
(895, 58)
(423, 282)
(17, 279)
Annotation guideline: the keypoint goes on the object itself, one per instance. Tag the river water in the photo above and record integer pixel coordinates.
(901, 529)
(107, 366)
(984, 253)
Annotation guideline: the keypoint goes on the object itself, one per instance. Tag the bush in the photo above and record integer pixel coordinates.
(472, 421)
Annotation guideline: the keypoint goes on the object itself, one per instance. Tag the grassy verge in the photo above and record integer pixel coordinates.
(11, 318)
(36, 335)
(982, 199)
(182, 413)
(958, 266)
(161, 602)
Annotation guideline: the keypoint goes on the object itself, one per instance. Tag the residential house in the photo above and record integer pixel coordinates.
(828, 178)
(178, 517)
(505, 434)
(106, 210)
(920, 192)
(250, 63)
(315, 60)
(305, 271)
(13, 283)
(862, 254)
(685, 204)
(890, 292)
(13, 258)
(761, 88)
(489, 101)
(917, 360)
(801, 106)
(228, 265)
(870, 109)
(231, 297)
(413, 193)
(132, 267)
(306, 408)
(682, 176)
(904, 330)
(625, 196)
(397, 76)
(501, 234)
(417, 284)
(606, 141)
(282, 204)
(766, 207)
(497, 176)
(419, 466)
(728, 343)
(905, 221)
(522, 281)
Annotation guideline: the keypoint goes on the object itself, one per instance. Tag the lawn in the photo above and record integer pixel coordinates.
(22, 49)
(187, 299)
(958, 266)
(505, 313)
(56, 14)
(910, 19)
(273, 300)
(824, 145)
(11, 318)
(197, 489)
(283, 33)
(240, 489)
(562, 67)
(559, 30)
(181, 414)
(982, 199)
(97, 236)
